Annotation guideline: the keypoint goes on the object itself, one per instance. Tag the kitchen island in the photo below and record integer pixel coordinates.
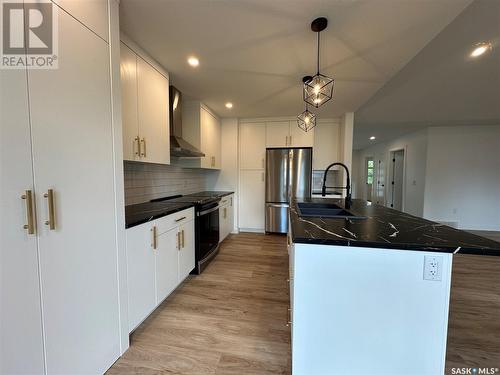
(371, 295)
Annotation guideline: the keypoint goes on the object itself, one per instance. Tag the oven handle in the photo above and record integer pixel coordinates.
(207, 211)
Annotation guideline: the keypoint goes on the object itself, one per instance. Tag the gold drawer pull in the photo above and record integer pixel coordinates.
(30, 227)
(182, 235)
(137, 142)
(143, 142)
(155, 237)
(51, 222)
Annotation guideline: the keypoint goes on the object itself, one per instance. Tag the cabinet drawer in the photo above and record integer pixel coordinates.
(226, 201)
(166, 223)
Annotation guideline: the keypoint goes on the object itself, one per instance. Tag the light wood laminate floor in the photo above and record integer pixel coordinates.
(231, 319)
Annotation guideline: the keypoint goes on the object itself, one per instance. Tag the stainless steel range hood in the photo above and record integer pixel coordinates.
(178, 146)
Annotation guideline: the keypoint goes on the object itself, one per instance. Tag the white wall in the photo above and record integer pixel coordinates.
(452, 174)
(415, 146)
(227, 177)
(463, 176)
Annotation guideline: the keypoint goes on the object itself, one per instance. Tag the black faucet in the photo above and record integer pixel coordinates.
(347, 187)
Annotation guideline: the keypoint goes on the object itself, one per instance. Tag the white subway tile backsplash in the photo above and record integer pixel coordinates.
(144, 182)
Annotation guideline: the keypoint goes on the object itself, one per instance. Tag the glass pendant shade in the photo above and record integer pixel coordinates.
(318, 90)
(306, 120)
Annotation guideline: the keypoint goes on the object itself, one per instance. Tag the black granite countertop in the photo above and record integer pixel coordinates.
(136, 214)
(385, 228)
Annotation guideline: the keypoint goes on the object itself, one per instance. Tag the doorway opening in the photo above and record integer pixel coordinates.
(396, 179)
(369, 169)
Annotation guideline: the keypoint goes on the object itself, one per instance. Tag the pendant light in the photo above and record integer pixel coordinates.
(318, 89)
(306, 120)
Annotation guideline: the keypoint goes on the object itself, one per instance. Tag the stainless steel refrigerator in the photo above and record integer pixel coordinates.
(288, 175)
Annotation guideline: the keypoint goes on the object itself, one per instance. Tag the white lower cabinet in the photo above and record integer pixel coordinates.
(140, 273)
(186, 250)
(160, 255)
(167, 270)
(226, 216)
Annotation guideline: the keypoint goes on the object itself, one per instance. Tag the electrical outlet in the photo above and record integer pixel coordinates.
(433, 266)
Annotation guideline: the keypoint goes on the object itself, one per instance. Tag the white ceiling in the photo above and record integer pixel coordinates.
(442, 85)
(255, 52)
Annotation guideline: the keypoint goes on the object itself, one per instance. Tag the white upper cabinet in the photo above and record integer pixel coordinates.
(252, 145)
(326, 144)
(300, 138)
(202, 128)
(145, 109)
(130, 120)
(92, 13)
(277, 134)
(287, 134)
(153, 113)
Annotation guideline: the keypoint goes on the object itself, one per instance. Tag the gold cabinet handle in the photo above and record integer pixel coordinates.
(289, 318)
(51, 222)
(179, 219)
(155, 237)
(182, 235)
(138, 144)
(28, 197)
(231, 201)
(178, 235)
(290, 141)
(143, 143)
(225, 212)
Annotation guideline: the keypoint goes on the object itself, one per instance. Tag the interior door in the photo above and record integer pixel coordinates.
(186, 252)
(21, 341)
(153, 104)
(166, 264)
(73, 154)
(380, 182)
(397, 177)
(128, 74)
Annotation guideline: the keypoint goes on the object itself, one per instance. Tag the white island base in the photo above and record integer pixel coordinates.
(367, 311)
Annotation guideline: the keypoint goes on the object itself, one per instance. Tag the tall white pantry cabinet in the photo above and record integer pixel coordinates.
(59, 306)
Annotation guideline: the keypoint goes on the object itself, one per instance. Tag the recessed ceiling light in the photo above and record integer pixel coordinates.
(480, 49)
(229, 105)
(372, 138)
(193, 61)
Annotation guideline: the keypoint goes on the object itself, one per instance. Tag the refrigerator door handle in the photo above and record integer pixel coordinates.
(277, 205)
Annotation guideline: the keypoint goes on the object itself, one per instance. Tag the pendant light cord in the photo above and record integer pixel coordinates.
(318, 52)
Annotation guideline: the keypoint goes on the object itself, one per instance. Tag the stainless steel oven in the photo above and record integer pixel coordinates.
(207, 234)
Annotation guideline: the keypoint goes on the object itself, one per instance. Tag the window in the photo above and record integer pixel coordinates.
(369, 172)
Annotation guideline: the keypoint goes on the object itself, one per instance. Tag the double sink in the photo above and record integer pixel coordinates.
(325, 210)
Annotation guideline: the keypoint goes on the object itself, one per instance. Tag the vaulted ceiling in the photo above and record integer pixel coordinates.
(443, 85)
(254, 52)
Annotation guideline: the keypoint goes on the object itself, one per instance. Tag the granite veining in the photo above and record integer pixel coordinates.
(385, 228)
